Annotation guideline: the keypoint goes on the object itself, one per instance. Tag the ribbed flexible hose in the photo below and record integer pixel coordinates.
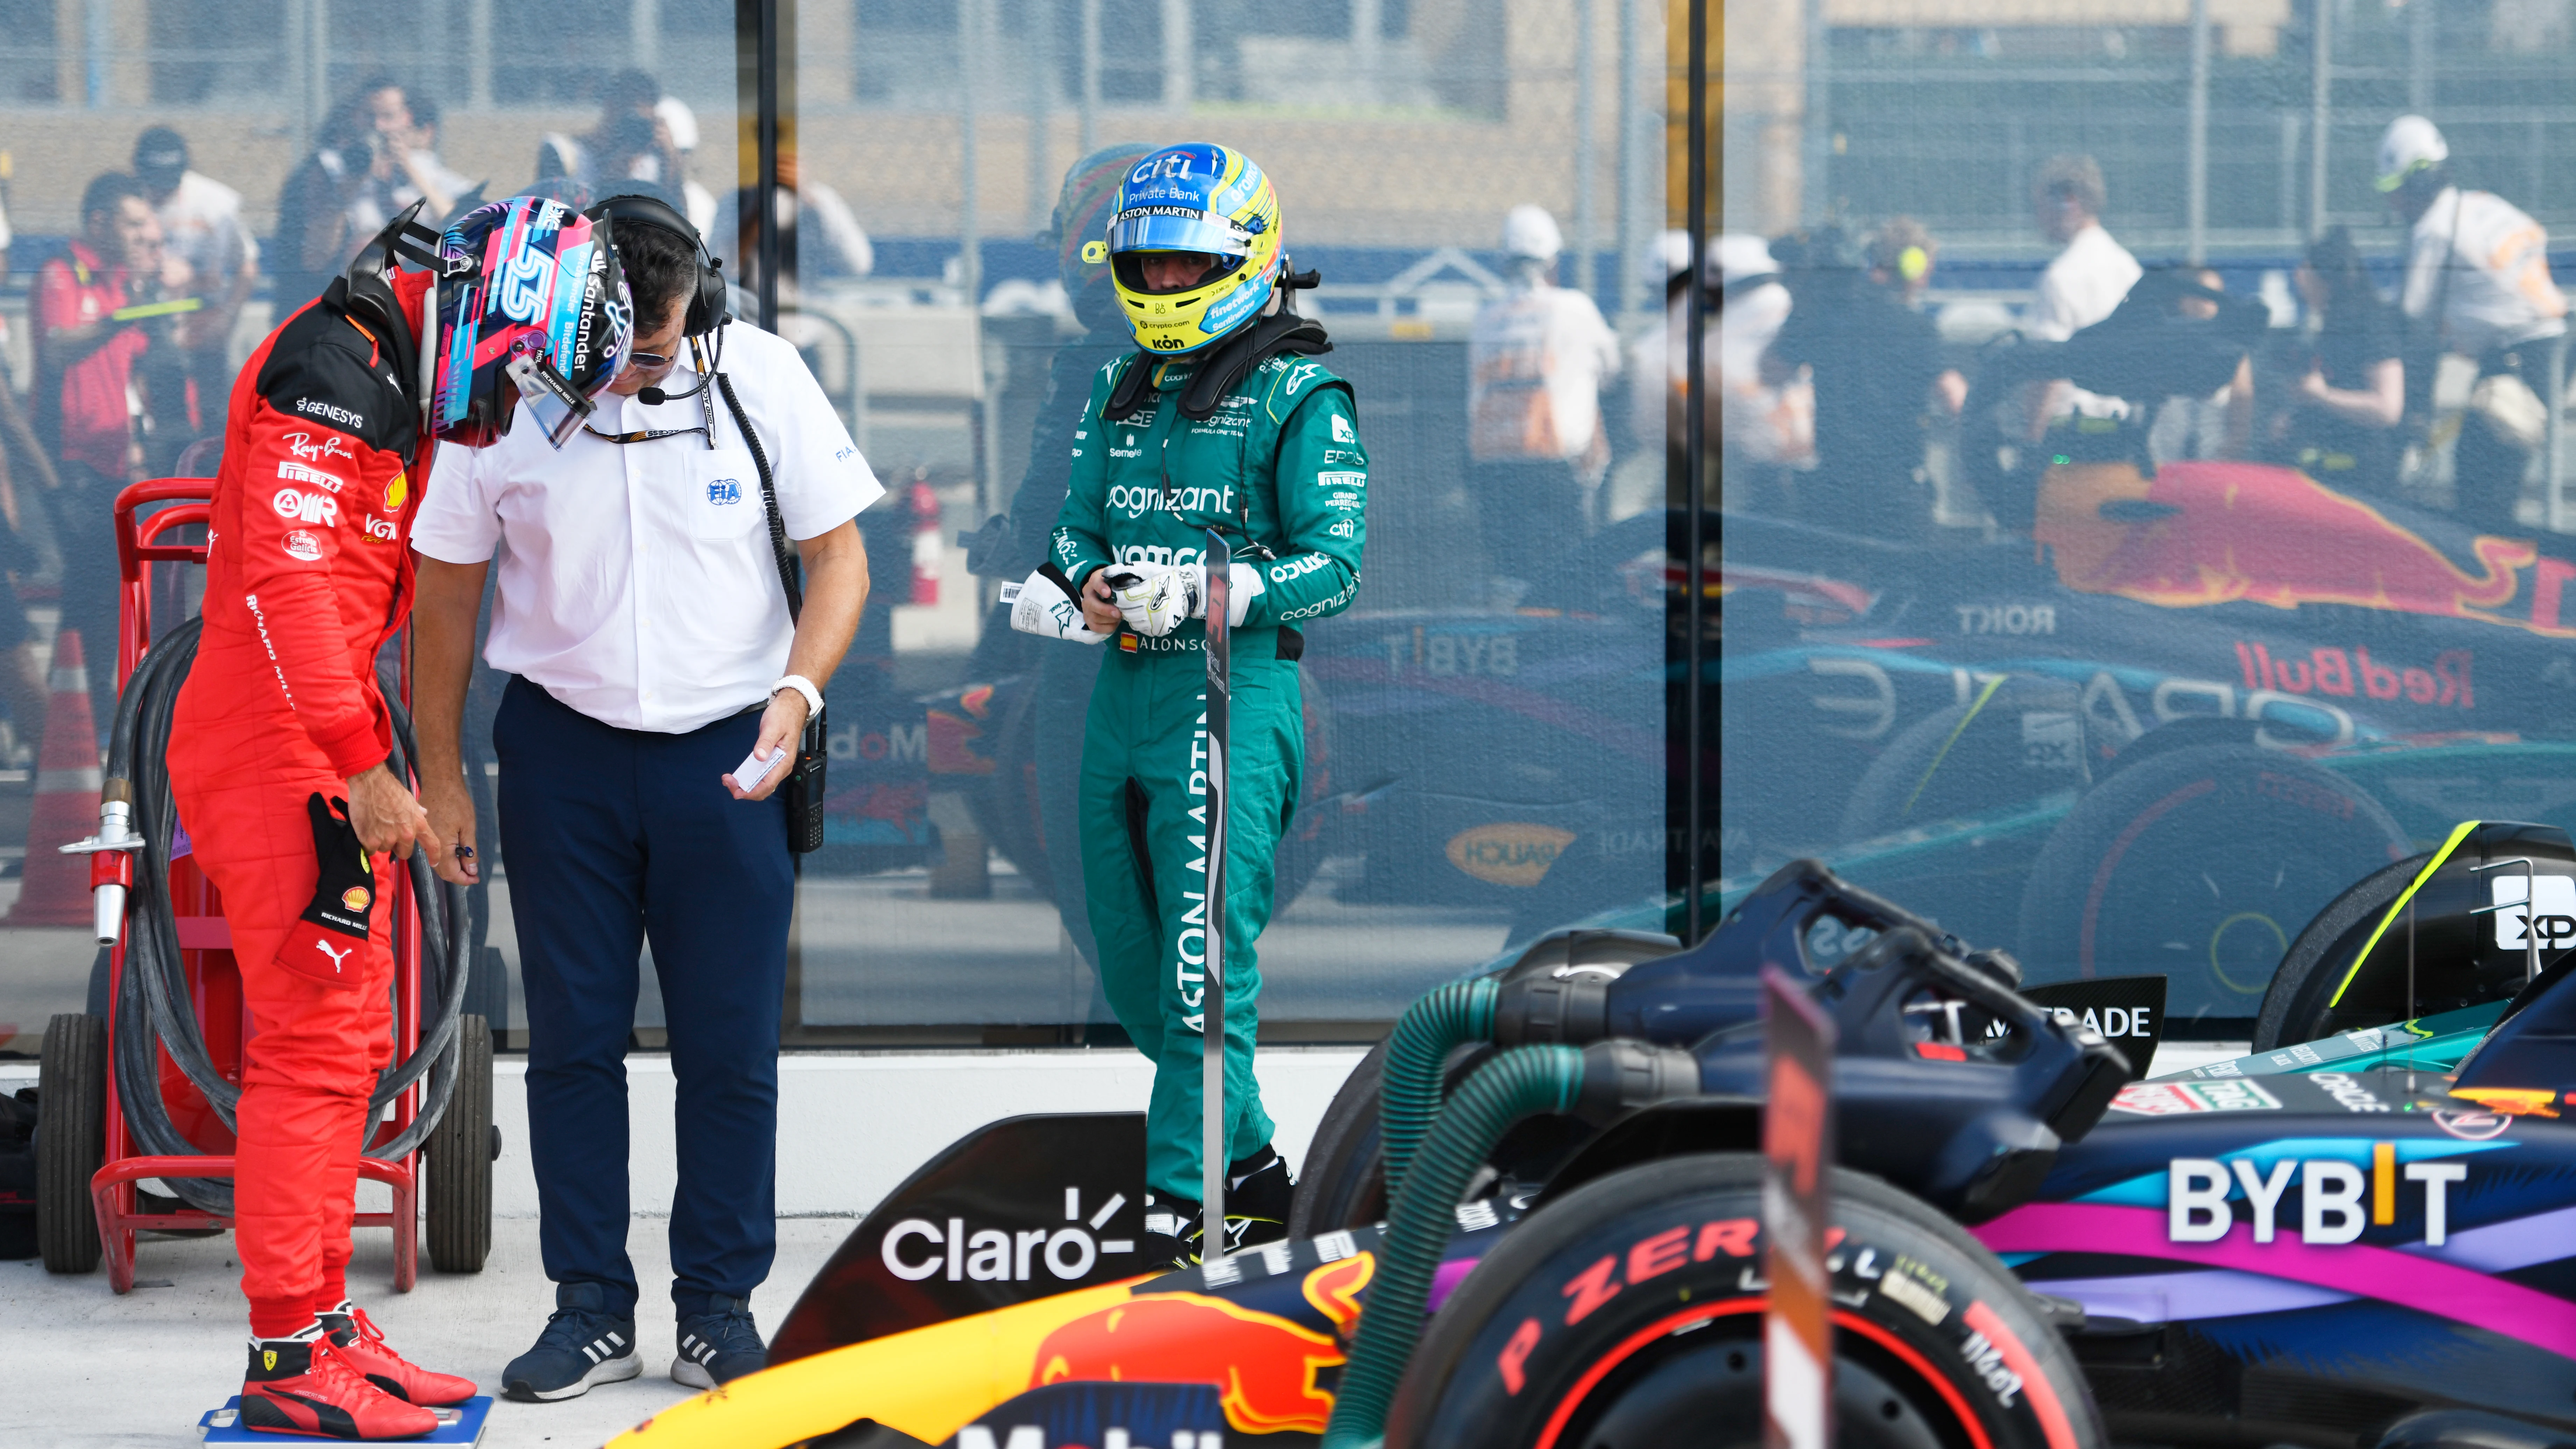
(1430, 1029)
(1522, 1082)
(153, 997)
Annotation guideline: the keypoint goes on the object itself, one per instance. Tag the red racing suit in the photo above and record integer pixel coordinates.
(308, 573)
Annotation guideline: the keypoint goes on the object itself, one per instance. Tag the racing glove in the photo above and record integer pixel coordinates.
(1045, 605)
(1242, 586)
(1154, 598)
(325, 941)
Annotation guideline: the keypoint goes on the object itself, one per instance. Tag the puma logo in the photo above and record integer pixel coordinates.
(336, 956)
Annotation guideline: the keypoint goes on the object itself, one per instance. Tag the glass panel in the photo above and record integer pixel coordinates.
(2129, 652)
(1481, 729)
(294, 145)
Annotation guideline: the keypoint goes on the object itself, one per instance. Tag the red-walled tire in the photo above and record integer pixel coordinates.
(1630, 1313)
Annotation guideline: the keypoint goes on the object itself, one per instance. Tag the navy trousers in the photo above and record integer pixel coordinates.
(611, 837)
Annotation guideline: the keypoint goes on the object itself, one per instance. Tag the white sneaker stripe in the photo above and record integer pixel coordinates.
(614, 1340)
(591, 1351)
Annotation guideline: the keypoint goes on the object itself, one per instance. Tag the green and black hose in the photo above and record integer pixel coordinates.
(1522, 1082)
(1417, 1054)
(1607, 1077)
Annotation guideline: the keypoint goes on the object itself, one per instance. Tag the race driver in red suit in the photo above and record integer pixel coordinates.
(279, 745)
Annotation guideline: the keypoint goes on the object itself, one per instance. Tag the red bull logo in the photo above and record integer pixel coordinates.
(2346, 673)
(2203, 533)
(1262, 1366)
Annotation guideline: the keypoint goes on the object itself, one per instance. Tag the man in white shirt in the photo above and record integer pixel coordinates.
(1536, 357)
(640, 609)
(2477, 281)
(201, 226)
(2084, 283)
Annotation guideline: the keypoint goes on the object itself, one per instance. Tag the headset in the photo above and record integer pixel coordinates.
(708, 305)
(709, 308)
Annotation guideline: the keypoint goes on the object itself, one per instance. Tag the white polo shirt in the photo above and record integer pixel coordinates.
(637, 584)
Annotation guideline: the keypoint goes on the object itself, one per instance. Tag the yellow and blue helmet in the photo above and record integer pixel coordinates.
(1195, 198)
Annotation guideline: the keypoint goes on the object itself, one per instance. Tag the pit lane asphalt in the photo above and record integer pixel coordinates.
(90, 1370)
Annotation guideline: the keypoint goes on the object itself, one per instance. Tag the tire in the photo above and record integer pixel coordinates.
(2450, 972)
(1340, 1184)
(2198, 864)
(460, 1150)
(1547, 1345)
(71, 1141)
(2023, 741)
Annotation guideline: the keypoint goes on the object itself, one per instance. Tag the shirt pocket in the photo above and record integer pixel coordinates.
(724, 495)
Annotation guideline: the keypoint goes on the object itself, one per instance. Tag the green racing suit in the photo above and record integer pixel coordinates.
(1278, 466)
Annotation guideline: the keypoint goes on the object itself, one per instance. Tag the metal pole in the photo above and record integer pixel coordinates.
(2320, 112)
(1586, 60)
(98, 34)
(1090, 76)
(1695, 486)
(478, 54)
(1041, 101)
(763, 91)
(1815, 187)
(1368, 20)
(299, 78)
(317, 55)
(2196, 140)
(1219, 701)
(1632, 171)
(1177, 54)
(646, 34)
(2419, 58)
(970, 60)
(2553, 468)
(2289, 208)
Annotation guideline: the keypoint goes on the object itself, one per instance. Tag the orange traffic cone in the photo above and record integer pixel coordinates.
(53, 889)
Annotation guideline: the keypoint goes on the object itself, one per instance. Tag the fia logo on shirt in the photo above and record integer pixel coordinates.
(723, 491)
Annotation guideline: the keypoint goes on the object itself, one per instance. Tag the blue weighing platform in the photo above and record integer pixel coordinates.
(460, 1425)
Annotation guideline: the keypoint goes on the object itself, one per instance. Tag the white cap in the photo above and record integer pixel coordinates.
(2410, 144)
(675, 113)
(1740, 256)
(1671, 256)
(1528, 231)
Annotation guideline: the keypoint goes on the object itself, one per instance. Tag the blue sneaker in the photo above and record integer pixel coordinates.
(583, 1344)
(718, 1345)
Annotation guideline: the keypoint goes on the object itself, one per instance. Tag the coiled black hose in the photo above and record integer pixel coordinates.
(152, 1002)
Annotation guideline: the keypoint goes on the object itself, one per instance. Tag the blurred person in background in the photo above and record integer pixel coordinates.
(1765, 426)
(1536, 359)
(1874, 360)
(26, 475)
(87, 400)
(1012, 544)
(201, 230)
(630, 143)
(2341, 422)
(317, 233)
(2219, 424)
(2082, 284)
(680, 125)
(424, 177)
(2477, 284)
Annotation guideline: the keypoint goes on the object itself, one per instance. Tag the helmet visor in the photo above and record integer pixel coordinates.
(1175, 229)
(548, 399)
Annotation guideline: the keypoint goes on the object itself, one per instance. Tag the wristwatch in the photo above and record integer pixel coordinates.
(805, 687)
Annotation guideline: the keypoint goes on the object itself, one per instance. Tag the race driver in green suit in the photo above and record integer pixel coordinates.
(1223, 419)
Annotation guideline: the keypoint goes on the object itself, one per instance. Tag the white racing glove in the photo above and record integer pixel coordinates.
(1154, 598)
(1040, 606)
(1242, 586)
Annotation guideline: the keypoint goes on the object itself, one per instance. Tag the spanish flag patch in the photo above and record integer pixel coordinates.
(1127, 642)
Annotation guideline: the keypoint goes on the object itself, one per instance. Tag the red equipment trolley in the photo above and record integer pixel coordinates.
(79, 1090)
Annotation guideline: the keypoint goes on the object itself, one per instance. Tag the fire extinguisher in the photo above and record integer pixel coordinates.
(925, 542)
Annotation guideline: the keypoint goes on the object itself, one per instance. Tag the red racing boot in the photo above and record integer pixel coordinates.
(301, 1385)
(361, 1345)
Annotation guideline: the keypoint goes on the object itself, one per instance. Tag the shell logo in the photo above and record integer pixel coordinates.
(356, 898)
(1507, 852)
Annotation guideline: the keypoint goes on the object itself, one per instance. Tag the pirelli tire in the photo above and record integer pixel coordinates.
(460, 1151)
(71, 1142)
(1630, 1313)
